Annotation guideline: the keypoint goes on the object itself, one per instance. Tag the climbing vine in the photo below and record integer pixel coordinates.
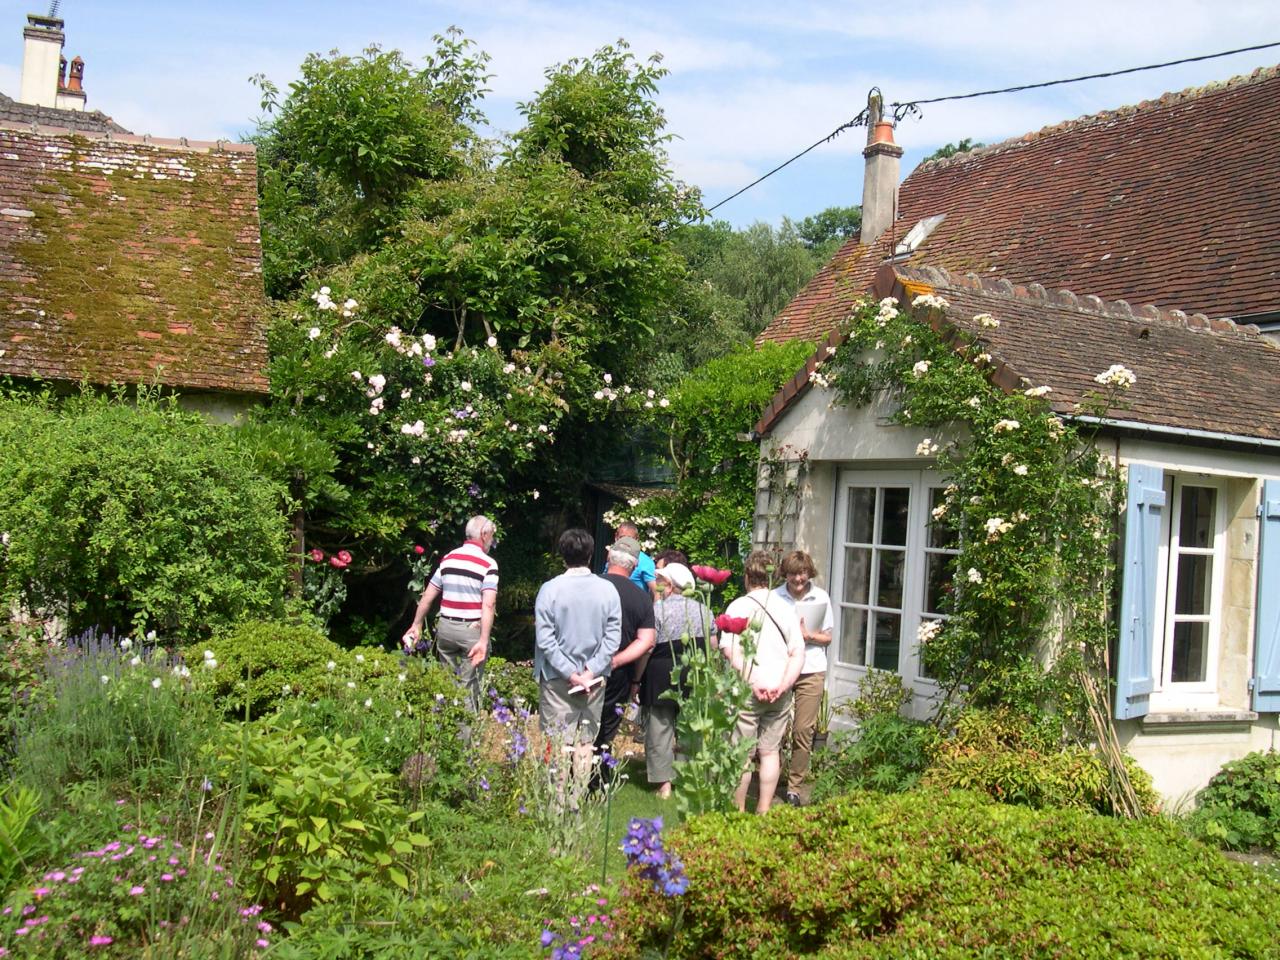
(1030, 505)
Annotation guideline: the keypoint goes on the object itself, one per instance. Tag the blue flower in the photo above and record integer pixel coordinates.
(549, 938)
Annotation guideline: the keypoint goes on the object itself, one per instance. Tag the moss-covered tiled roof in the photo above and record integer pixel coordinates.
(130, 260)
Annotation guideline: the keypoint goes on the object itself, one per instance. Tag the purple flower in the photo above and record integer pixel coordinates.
(644, 849)
(428, 361)
(473, 490)
(548, 938)
(484, 784)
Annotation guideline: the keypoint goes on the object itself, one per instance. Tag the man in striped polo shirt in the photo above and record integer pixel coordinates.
(466, 581)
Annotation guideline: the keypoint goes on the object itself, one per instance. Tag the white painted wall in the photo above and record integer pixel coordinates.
(40, 61)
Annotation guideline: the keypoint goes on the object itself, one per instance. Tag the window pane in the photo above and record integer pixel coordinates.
(893, 525)
(862, 514)
(1190, 645)
(857, 575)
(938, 585)
(1195, 581)
(888, 630)
(921, 669)
(853, 636)
(1196, 527)
(941, 535)
(889, 589)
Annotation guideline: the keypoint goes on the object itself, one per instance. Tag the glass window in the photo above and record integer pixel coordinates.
(875, 571)
(940, 548)
(1188, 648)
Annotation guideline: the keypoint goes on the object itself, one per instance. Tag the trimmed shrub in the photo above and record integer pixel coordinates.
(889, 755)
(1240, 807)
(134, 517)
(997, 753)
(934, 875)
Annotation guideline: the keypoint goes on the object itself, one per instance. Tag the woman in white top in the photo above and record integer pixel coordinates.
(771, 672)
(812, 607)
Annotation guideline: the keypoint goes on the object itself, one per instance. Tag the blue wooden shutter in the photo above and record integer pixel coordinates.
(1266, 641)
(1134, 680)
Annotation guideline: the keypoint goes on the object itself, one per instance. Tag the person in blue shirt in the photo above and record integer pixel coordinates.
(643, 574)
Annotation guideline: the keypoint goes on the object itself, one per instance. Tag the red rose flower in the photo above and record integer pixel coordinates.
(316, 554)
(344, 557)
(711, 575)
(419, 549)
(728, 624)
(337, 562)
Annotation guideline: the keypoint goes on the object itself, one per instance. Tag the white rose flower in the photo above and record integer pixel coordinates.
(492, 341)
(428, 342)
(536, 494)
(598, 395)
(930, 300)
(664, 402)
(921, 368)
(126, 643)
(1038, 391)
(927, 630)
(211, 664)
(974, 575)
(466, 386)
(1006, 426)
(926, 448)
(939, 511)
(1117, 375)
(313, 333)
(1020, 469)
(104, 678)
(986, 320)
(286, 689)
(608, 378)
(349, 304)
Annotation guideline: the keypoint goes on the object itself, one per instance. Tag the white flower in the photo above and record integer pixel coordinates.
(986, 320)
(414, 429)
(466, 386)
(351, 684)
(428, 342)
(156, 683)
(926, 448)
(664, 402)
(939, 511)
(359, 658)
(151, 636)
(357, 376)
(1020, 469)
(1056, 427)
(286, 689)
(393, 337)
(313, 333)
(973, 575)
(376, 383)
(401, 677)
(1117, 375)
(930, 300)
(996, 526)
(982, 358)
(416, 460)
(1006, 426)
(927, 630)
(406, 393)
(104, 678)
(598, 395)
(375, 407)
(208, 654)
(492, 341)
(330, 665)
(920, 369)
(368, 703)
(608, 378)
(210, 664)
(973, 402)
(509, 368)
(331, 352)
(1038, 391)
(324, 291)
(126, 643)
(399, 714)
(536, 494)
(135, 661)
(649, 394)
(542, 428)
(648, 404)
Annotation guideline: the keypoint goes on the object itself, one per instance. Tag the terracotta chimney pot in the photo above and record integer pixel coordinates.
(882, 132)
(76, 81)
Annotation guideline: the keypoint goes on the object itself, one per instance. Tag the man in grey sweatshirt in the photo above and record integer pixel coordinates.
(577, 630)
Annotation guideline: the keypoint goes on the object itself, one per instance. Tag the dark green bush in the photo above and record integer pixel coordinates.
(134, 517)
(512, 682)
(1240, 807)
(258, 659)
(889, 754)
(946, 876)
(997, 753)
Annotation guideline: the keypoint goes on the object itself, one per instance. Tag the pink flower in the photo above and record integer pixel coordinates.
(419, 549)
(41, 892)
(316, 554)
(728, 624)
(344, 556)
(166, 877)
(711, 575)
(262, 943)
(137, 891)
(336, 562)
(99, 941)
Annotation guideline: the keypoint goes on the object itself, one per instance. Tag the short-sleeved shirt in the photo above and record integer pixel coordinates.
(778, 636)
(637, 609)
(462, 578)
(677, 616)
(642, 574)
(815, 655)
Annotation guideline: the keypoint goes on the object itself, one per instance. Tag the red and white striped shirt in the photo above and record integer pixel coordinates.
(462, 577)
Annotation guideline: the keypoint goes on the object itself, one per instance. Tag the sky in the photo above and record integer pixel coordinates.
(751, 82)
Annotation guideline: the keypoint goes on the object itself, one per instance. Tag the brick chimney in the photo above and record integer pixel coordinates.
(72, 96)
(880, 179)
(41, 57)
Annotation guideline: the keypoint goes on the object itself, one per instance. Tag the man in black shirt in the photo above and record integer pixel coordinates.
(638, 636)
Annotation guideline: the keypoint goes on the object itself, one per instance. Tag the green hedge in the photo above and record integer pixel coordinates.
(936, 875)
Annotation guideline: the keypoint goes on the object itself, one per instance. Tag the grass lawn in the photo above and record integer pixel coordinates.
(635, 798)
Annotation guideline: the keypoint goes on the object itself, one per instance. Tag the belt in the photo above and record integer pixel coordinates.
(460, 619)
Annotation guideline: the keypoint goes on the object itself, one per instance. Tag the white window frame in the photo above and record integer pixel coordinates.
(918, 483)
(1168, 695)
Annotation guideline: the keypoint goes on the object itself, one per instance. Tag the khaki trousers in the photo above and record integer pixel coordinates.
(808, 690)
(454, 640)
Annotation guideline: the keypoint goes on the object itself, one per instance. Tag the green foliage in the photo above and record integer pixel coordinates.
(137, 894)
(825, 231)
(314, 816)
(19, 808)
(258, 659)
(950, 876)
(951, 149)
(22, 657)
(1006, 757)
(880, 693)
(1240, 807)
(122, 717)
(889, 755)
(712, 695)
(134, 516)
(1029, 505)
(513, 682)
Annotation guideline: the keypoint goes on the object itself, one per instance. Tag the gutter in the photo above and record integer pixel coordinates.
(1202, 438)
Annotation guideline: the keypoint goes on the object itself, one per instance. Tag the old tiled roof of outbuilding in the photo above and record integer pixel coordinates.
(1175, 202)
(84, 121)
(1192, 373)
(128, 259)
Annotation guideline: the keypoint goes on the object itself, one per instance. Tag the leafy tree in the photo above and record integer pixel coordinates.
(951, 149)
(826, 230)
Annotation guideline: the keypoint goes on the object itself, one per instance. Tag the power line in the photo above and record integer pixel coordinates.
(905, 108)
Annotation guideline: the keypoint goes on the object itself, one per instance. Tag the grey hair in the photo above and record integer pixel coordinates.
(479, 526)
(620, 558)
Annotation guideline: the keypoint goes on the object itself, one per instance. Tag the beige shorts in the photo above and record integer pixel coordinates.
(574, 716)
(766, 723)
